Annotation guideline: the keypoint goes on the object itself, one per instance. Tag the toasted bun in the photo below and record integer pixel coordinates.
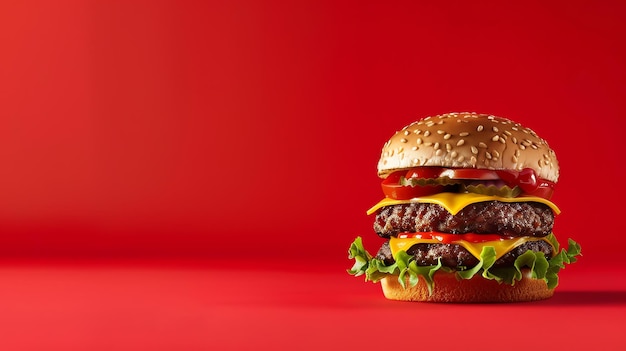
(468, 140)
(448, 288)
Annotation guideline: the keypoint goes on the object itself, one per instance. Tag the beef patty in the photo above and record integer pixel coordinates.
(454, 256)
(490, 217)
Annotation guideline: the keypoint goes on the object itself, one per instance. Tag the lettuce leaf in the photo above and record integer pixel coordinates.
(407, 271)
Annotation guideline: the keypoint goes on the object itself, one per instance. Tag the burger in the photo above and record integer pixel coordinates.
(467, 215)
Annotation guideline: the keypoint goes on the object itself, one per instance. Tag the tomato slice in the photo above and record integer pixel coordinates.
(393, 189)
(526, 180)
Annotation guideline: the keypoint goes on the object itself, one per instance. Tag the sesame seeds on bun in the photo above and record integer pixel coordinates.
(468, 140)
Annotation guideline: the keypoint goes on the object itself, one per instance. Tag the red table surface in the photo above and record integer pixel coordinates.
(166, 132)
(212, 305)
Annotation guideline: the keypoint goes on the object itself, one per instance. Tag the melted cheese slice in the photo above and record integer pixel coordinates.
(455, 202)
(501, 246)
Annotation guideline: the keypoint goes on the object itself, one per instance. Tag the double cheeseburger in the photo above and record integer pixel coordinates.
(467, 215)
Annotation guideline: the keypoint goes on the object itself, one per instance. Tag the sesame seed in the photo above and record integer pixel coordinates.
(400, 150)
(419, 141)
(403, 140)
(508, 133)
(439, 152)
(514, 139)
(448, 147)
(406, 132)
(495, 153)
(517, 153)
(502, 140)
(453, 154)
(482, 145)
(460, 142)
(488, 155)
(479, 128)
(439, 131)
(474, 150)
(460, 159)
(436, 146)
(495, 129)
(463, 134)
(447, 136)
(415, 148)
(514, 158)
(495, 138)
(427, 133)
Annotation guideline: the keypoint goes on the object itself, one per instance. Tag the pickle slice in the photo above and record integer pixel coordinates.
(428, 181)
(503, 191)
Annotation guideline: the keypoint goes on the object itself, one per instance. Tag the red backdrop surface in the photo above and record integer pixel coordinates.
(226, 130)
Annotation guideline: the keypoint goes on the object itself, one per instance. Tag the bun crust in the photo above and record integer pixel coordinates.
(449, 289)
(468, 140)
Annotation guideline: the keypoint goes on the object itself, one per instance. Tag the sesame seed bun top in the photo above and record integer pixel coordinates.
(468, 140)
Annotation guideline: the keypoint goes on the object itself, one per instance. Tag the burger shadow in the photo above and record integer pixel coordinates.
(588, 297)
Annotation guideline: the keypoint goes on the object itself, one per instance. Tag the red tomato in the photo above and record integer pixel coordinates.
(526, 179)
(393, 189)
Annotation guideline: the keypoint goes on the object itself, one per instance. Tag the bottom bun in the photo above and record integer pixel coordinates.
(448, 288)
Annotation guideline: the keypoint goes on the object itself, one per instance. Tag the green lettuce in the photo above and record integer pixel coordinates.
(406, 269)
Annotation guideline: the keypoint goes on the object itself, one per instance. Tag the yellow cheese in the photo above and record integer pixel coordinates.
(455, 202)
(501, 246)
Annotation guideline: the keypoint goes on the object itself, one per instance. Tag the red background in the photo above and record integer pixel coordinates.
(145, 143)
